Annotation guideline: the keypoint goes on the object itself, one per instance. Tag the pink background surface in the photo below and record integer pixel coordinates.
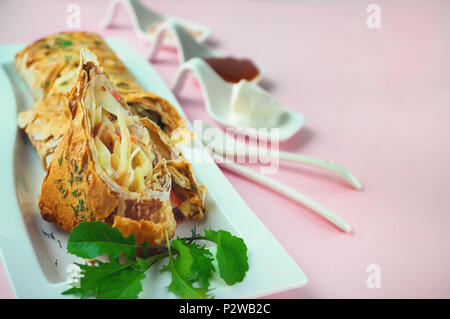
(375, 100)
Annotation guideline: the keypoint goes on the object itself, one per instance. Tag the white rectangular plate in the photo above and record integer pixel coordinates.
(38, 267)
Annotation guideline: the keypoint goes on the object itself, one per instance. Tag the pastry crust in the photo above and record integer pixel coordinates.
(77, 188)
(45, 124)
(50, 66)
(189, 193)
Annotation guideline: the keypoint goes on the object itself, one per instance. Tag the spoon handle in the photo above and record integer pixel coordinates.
(323, 164)
(230, 146)
(326, 165)
(110, 13)
(180, 79)
(157, 43)
(286, 191)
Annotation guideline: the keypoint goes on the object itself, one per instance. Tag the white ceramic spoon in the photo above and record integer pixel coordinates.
(285, 190)
(219, 94)
(187, 47)
(147, 23)
(219, 142)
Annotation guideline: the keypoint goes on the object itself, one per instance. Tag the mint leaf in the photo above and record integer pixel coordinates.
(95, 276)
(93, 239)
(231, 255)
(180, 269)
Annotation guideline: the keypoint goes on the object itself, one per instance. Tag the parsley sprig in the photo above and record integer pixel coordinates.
(190, 262)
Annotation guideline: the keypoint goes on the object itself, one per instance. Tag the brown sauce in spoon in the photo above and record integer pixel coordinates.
(233, 70)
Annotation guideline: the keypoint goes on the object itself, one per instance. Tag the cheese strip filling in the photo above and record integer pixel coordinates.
(122, 144)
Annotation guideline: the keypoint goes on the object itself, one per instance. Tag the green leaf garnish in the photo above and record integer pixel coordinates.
(125, 284)
(190, 265)
(95, 276)
(180, 269)
(231, 255)
(201, 266)
(93, 239)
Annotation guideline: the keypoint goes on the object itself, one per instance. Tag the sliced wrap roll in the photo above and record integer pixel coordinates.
(187, 196)
(106, 167)
(50, 66)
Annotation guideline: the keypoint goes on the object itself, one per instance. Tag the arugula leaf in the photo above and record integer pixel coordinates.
(113, 280)
(145, 264)
(184, 260)
(231, 255)
(190, 265)
(180, 269)
(125, 284)
(93, 239)
(95, 276)
(202, 266)
(144, 248)
(197, 262)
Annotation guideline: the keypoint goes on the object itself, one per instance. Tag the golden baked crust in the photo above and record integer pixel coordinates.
(45, 124)
(189, 194)
(50, 66)
(76, 188)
